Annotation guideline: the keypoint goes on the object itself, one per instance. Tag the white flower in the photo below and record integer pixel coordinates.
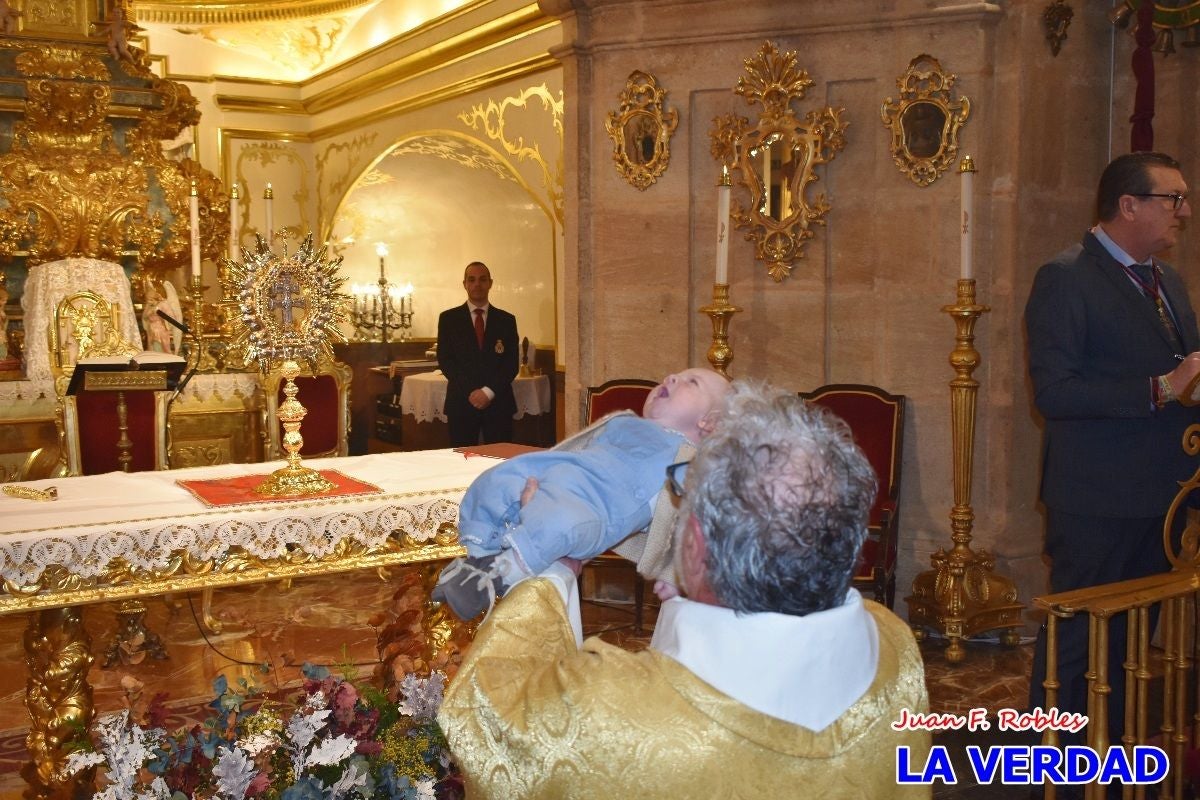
(425, 789)
(331, 751)
(79, 761)
(259, 742)
(355, 775)
(157, 790)
(234, 771)
(422, 696)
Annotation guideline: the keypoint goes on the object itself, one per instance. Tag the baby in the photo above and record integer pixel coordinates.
(593, 490)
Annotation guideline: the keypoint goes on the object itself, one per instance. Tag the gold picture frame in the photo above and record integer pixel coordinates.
(924, 122)
(774, 158)
(641, 130)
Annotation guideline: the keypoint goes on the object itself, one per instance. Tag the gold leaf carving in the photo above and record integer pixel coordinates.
(61, 62)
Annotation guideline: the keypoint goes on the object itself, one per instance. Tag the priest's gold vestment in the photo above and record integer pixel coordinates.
(530, 714)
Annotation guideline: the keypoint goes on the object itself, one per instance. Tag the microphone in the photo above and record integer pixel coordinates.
(174, 322)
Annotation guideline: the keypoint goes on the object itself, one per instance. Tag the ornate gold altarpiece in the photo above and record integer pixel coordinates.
(98, 165)
(134, 535)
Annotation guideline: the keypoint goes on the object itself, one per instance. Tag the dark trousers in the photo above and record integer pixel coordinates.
(473, 427)
(1089, 551)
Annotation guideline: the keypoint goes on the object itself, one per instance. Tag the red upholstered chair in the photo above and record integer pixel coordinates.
(325, 394)
(622, 394)
(876, 418)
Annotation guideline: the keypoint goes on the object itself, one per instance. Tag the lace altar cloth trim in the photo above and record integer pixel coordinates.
(144, 518)
(239, 491)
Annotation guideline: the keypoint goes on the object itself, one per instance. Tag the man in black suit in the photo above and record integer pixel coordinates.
(1112, 343)
(477, 352)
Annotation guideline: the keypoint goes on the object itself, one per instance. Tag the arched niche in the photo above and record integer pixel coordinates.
(440, 200)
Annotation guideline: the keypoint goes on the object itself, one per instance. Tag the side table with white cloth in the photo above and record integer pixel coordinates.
(423, 424)
(131, 535)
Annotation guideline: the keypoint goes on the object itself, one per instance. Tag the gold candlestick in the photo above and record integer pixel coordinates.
(295, 479)
(720, 312)
(961, 596)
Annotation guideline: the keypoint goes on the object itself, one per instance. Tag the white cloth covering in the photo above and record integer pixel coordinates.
(423, 395)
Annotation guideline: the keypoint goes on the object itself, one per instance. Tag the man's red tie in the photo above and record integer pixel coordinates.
(479, 327)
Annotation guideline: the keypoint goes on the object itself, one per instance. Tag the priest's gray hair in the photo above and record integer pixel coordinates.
(782, 495)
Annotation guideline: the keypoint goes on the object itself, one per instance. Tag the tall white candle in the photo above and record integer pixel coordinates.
(233, 223)
(268, 200)
(966, 169)
(194, 221)
(723, 227)
(381, 251)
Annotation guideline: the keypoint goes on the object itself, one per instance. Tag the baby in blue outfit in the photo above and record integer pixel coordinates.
(592, 491)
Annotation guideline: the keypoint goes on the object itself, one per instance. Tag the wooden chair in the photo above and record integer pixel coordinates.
(86, 324)
(876, 418)
(325, 393)
(622, 394)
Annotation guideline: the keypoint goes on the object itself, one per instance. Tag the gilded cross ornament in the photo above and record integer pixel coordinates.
(775, 158)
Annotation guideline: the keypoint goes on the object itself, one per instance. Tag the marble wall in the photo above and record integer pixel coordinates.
(865, 303)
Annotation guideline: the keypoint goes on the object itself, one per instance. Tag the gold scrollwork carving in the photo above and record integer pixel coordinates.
(775, 157)
(925, 120)
(641, 131)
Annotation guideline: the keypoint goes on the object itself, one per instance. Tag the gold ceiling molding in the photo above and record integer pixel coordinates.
(486, 80)
(260, 105)
(240, 12)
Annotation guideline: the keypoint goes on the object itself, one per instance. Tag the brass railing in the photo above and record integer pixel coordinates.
(1179, 729)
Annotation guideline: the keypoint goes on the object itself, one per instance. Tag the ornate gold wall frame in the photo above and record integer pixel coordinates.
(774, 158)
(641, 131)
(924, 121)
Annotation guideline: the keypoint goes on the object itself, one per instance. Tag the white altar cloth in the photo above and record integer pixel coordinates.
(144, 517)
(424, 396)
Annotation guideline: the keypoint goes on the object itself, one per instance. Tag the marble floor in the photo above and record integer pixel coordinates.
(268, 632)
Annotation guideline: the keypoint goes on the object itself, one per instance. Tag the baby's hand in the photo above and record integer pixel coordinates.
(665, 590)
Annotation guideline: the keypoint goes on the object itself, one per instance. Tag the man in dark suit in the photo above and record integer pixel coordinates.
(477, 352)
(1112, 343)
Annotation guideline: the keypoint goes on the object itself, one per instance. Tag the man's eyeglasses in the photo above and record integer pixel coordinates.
(674, 482)
(1177, 199)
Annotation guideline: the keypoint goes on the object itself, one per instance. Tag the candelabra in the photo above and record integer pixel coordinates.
(720, 312)
(375, 310)
(961, 596)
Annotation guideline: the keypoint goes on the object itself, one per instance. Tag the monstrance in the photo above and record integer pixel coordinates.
(290, 307)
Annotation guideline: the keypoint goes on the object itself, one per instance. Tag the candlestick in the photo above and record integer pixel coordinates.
(719, 311)
(381, 251)
(966, 169)
(233, 223)
(723, 189)
(194, 219)
(268, 200)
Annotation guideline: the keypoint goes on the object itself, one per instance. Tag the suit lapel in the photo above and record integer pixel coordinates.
(1138, 305)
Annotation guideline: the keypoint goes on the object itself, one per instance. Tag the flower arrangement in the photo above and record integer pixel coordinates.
(335, 740)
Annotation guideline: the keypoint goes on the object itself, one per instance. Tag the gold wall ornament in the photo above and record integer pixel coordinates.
(290, 306)
(925, 120)
(490, 118)
(641, 131)
(775, 157)
(1057, 18)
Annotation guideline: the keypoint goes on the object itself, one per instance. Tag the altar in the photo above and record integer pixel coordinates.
(423, 424)
(134, 535)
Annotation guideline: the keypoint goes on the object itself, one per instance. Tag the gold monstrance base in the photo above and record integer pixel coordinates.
(294, 480)
(961, 596)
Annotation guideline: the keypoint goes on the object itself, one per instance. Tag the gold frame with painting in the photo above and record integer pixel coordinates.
(641, 131)
(924, 122)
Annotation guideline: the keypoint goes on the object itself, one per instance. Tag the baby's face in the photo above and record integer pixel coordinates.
(682, 400)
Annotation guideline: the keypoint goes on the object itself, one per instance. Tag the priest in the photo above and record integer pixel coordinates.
(768, 677)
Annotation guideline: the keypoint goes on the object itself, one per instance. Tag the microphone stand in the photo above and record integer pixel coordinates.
(195, 363)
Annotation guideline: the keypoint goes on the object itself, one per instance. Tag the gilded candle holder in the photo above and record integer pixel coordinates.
(720, 352)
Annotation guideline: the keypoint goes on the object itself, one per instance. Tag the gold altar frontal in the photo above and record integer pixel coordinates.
(134, 535)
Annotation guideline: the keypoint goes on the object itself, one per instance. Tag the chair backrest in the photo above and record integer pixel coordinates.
(86, 324)
(325, 394)
(621, 394)
(876, 418)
